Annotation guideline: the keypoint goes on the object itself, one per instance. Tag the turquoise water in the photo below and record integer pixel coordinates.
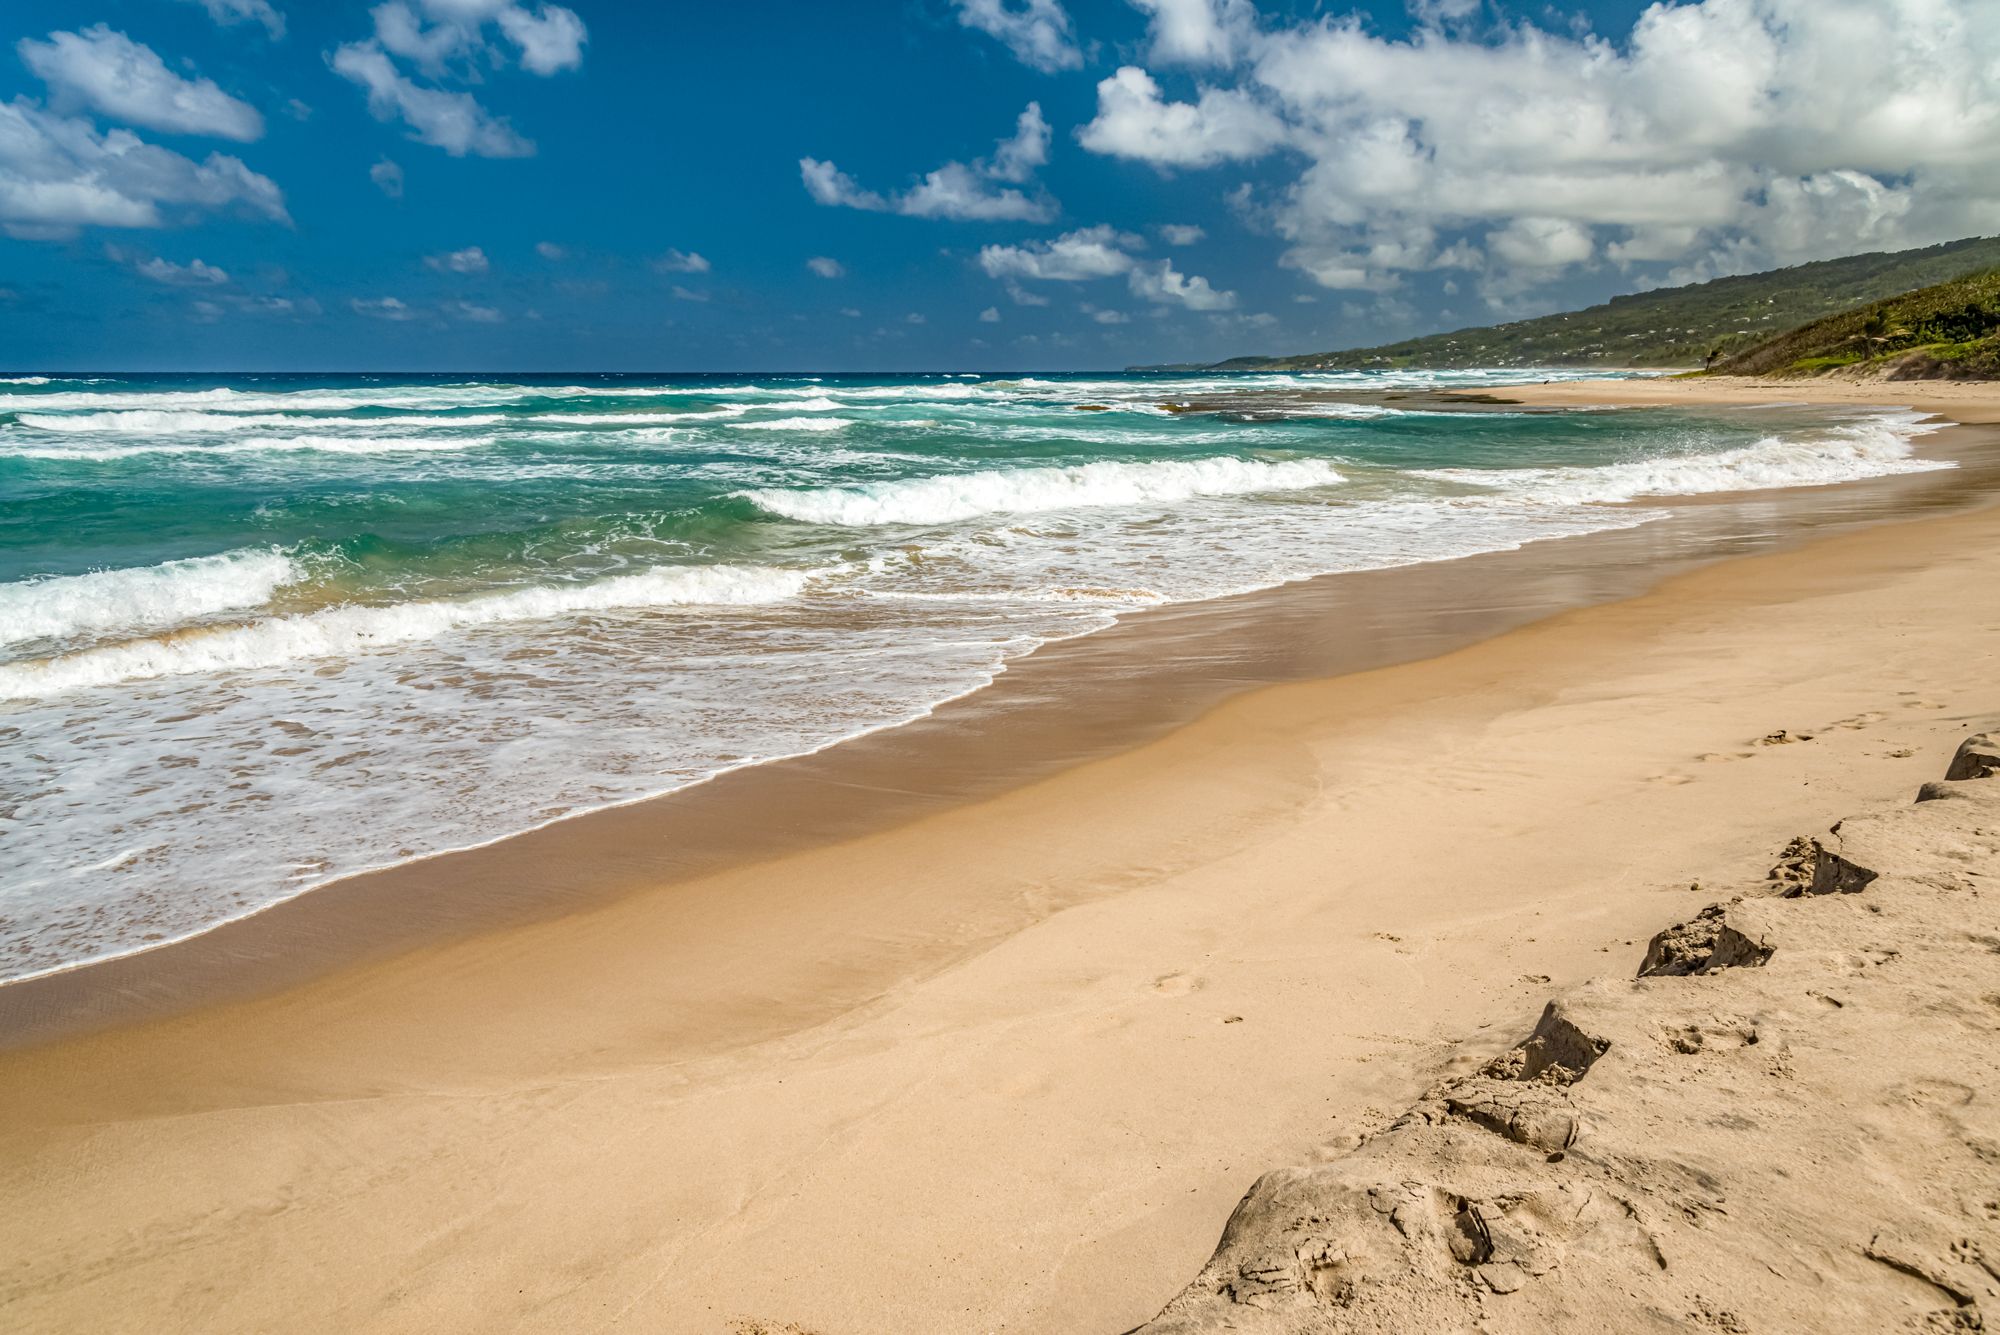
(259, 631)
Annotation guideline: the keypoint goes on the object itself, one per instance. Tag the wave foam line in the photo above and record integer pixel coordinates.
(142, 597)
(1845, 454)
(154, 421)
(794, 424)
(255, 445)
(236, 400)
(342, 631)
(955, 496)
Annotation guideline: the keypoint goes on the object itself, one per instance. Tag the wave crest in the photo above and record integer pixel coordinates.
(341, 631)
(1843, 454)
(956, 496)
(141, 597)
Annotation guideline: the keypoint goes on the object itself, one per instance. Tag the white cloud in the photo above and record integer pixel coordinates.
(549, 250)
(436, 34)
(1093, 253)
(1199, 32)
(1111, 317)
(1134, 122)
(826, 266)
(913, 318)
(448, 39)
(471, 260)
(991, 315)
(1181, 234)
(829, 185)
(1163, 285)
(58, 173)
(1074, 257)
(231, 12)
(1717, 136)
(473, 314)
(195, 273)
(1038, 32)
(681, 261)
(388, 178)
(127, 81)
(551, 39)
(850, 312)
(688, 294)
(383, 308)
(955, 190)
(1018, 159)
(454, 122)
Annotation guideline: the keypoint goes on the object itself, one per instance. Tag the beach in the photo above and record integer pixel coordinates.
(988, 1022)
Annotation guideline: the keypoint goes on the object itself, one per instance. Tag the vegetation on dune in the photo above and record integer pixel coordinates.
(1949, 331)
(1668, 327)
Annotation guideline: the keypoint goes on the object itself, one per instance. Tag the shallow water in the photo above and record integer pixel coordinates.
(257, 632)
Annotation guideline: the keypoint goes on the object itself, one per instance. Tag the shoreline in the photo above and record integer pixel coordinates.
(1004, 1012)
(373, 913)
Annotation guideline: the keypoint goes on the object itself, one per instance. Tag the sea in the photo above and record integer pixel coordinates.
(258, 632)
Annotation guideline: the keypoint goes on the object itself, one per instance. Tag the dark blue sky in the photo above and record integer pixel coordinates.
(657, 167)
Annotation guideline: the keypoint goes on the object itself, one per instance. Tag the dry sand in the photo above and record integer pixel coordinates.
(796, 1091)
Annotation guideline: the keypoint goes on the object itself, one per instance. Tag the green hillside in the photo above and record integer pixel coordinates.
(1950, 331)
(1677, 326)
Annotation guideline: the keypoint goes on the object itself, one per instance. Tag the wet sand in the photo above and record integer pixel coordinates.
(983, 1023)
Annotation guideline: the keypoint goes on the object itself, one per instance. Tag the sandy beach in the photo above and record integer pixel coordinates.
(917, 1036)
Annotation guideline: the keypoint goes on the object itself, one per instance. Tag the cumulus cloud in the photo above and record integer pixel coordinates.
(58, 174)
(826, 266)
(127, 81)
(549, 250)
(195, 273)
(228, 13)
(1718, 136)
(383, 308)
(681, 261)
(388, 178)
(454, 122)
(983, 191)
(1092, 253)
(1074, 257)
(1181, 234)
(471, 260)
(1160, 283)
(473, 314)
(437, 34)
(551, 39)
(991, 315)
(1134, 121)
(447, 39)
(1199, 32)
(1038, 32)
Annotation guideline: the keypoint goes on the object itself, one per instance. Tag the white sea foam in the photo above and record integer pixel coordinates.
(955, 496)
(1840, 454)
(142, 597)
(254, 445)
(341, 631)
(235, 400)
(795, 424)
(152, 421)
(24, 380)
(725, 410)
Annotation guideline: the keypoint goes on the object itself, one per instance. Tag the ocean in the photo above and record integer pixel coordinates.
(261, 631)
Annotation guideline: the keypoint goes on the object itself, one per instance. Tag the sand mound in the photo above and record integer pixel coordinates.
(1786, 1122)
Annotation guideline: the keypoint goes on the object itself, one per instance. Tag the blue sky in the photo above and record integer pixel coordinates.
(508, 184)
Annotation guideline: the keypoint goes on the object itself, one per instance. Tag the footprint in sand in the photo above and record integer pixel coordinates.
(1922, 704)
(1674, 779)
(1859, 721)
(1175, 984)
